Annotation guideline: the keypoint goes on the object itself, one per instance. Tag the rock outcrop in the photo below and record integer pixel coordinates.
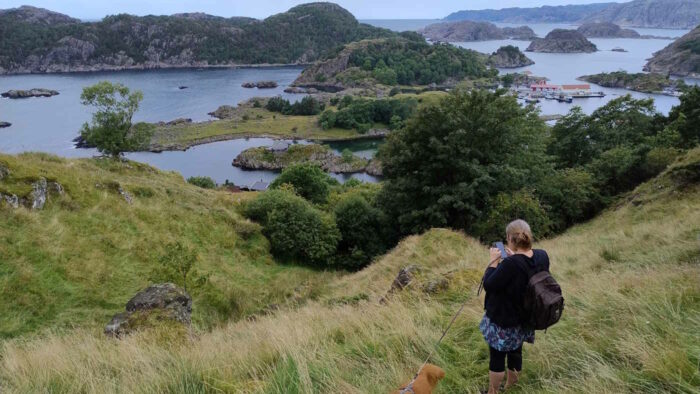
(223, 112)
(562, 41)
(474, 31)
(606, 30)
(260, 85)
(157, 304)
(37, 198)
(681, 58)
(673, 14)
(36, 92)
(509, 57)
(264, 158)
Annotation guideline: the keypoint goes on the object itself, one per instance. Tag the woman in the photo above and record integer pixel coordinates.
(505, 282)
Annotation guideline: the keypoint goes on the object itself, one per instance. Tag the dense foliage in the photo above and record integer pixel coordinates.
(306, 107)
(111, 130)
(361, 113)
(302, 34)
(408, 62)
(296, 230)
(642, 82)
(685, 119)
(361, 228)
(204, 182)
(308, 180)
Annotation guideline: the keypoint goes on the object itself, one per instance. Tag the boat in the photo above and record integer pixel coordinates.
(585, 94)
(564, 98)
(532, 100)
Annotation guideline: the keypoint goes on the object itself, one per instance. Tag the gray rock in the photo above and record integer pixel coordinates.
(436, 285)
(562, 41)
(159, 302)
(4, 171)
(223, 112)
(404, 278)
(5, 124)
(36, 92)
(39, 194)
(11, 199)
(55, 187)
(127, 197)
(260, 85)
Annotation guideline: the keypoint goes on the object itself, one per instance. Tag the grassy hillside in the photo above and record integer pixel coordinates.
(630, 278)
(77, 261)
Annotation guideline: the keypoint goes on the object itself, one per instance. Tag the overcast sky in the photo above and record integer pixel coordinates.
(362, 9)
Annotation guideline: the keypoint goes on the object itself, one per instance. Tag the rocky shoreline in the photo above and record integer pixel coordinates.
(562, 41)
(35, 92)
(87, 69)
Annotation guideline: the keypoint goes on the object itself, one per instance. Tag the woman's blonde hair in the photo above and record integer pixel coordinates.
(518, 234)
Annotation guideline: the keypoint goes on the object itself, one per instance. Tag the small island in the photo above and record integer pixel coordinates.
(606, 30)
(509, 56)
(282, 154)
(36, 92)
(562, 41)
(5, 124)
(475, 31)
(639, 82)
(260, 85)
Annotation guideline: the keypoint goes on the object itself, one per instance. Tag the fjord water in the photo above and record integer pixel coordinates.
(50, 124)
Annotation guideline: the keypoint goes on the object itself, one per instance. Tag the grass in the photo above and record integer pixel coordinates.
(296, 154)
(630, 278)
(77, 262)
(260, 123)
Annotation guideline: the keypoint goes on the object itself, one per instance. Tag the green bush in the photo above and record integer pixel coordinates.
(306, 107)
(361, 231)
(569, 195)
(309, 181)
(296, 230)
(204, 182)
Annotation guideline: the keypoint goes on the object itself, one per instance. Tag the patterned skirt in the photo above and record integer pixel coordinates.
(505, 339)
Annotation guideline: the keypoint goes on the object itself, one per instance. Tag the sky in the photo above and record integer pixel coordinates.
(362, 9)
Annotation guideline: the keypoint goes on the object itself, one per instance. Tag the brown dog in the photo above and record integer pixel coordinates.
(425, 383)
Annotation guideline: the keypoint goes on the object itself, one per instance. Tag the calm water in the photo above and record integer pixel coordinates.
(50, 124)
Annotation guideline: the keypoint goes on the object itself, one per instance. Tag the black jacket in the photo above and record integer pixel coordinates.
(505, 286)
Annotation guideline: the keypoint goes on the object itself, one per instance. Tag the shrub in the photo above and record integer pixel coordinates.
(309, 181)
(347, 155)
(361, 233)
(204, 182)
(177, 266)
(569, 195)
(394, 91)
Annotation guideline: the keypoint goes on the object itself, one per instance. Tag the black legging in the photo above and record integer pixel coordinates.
(497, 363)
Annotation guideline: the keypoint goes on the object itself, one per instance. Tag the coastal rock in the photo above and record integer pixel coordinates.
(39, 194)
(509, 57)
(183, 87)
(606, 30)
(274, 159)
(260, 85)
(223, 112)
(36, 92)
(5, 124)
(296, 90)
(374, 168)
(618, 49)
(562, 41)
(156, 304)
(681, 58)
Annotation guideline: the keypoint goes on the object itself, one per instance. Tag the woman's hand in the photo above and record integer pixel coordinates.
(495, 257)
(509, 252)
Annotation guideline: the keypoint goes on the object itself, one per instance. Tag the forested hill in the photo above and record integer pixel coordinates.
(34, 40)
(545, 14)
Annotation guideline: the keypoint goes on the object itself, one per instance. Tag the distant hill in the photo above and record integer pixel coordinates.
(680, 14)
(34, 40)
(681, 58)
(461, 31)
(606, 30)
(562, 41)
(545, 14)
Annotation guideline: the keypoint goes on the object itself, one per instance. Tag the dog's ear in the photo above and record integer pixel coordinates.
(434, 373)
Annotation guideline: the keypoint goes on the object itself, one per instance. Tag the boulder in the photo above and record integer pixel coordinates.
(404, 278)
(5, 124)
(39, 194)
(156, 304)
(183, 87)
(260, 85)
(36, 92)
(4, 171)
(436, 285)
(11, 199)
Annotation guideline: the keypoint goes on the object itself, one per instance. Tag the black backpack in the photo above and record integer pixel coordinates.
(543, 301)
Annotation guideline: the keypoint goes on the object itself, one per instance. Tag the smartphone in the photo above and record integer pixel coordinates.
(502, 248)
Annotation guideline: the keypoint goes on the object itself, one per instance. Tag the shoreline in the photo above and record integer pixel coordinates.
(116, 69)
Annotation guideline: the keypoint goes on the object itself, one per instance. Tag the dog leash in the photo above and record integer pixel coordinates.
(409, 387)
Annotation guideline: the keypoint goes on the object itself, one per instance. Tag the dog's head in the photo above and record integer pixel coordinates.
(433, 373)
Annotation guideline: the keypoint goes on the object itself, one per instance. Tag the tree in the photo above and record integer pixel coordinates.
(685, 118)
(204, 182)
(111, 130)
(507, 207)
(309, 181)
(444, 166)
(177, 265)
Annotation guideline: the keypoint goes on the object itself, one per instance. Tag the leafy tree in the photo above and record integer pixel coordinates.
(360, 226)
(177, 265)
(309, 181)
(444, 166)
(568, 195)
(111, 128)
(522, 204)
(685, 118)
(204, 182)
